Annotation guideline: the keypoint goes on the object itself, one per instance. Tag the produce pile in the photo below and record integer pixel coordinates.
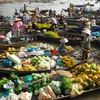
(52, 85)
(66, 61)
(43, 26)
(52, 34)
(10, 50)
(36, 63)
(86, 73)
(34, 58)
(45, 63)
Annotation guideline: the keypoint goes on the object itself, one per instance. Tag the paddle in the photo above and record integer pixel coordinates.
(9, 51)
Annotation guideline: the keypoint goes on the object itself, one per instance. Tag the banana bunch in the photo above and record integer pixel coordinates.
(25, 67)
(41, 26)
(52, 34)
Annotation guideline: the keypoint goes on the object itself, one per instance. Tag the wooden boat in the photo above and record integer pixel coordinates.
(6, 70)
(17, 44)
(88, 4)
(48, 38)
(43, 11)
(97, 42)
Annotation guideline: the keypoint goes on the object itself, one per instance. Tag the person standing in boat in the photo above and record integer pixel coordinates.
(86, 45)
(25, 8)
(24, 18)
(16, 28)
(53, 22)
(62, 47)
(54, 13)
(34, 21)
(50, 13)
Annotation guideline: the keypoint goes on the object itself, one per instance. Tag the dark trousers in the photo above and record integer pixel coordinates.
(34, 26)
(53, 25)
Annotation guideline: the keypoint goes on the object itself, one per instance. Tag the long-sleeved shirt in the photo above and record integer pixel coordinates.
(16, 27)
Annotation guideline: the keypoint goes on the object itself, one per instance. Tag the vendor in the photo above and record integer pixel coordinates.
(34, 21)
(86, 45)
(16, 28)
(53, 22)
(62, 47)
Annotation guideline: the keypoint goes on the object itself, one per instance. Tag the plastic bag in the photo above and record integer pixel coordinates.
(12, 96)
(9, 34)
(14, 59)
(25, 96)
(52, 63)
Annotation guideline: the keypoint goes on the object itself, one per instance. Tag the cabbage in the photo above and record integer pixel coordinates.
(55, 86)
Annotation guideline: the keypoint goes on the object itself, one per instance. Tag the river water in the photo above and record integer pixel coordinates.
(9, 8)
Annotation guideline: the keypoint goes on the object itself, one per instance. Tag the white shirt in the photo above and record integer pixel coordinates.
(93, 22)
(53, 20)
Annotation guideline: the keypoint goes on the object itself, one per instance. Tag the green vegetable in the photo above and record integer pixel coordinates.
(48, 80)
(13, 76)
(18, 88)
(35, 78)
(35, 86)
(3, 81)
(66, 83)
(44, 84)
(44, 80)
(36, 92)
(55, 85)
(39, 85)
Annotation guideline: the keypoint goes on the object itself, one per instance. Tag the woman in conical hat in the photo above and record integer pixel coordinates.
(16, 27)
(62, 46)
(86, 43)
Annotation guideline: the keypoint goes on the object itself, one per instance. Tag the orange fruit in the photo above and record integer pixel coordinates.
(79, 80)
(90, 75)
(95, 77)
(85, 77)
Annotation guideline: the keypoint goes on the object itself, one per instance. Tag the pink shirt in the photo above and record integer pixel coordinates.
(16, 27)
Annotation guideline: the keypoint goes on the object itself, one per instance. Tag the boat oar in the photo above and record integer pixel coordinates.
(9, 51)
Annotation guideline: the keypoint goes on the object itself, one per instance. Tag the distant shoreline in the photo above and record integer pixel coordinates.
(11, 1)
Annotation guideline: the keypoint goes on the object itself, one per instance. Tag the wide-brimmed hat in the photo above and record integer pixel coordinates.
(17, 19)
(64, 40)
(86, 31)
